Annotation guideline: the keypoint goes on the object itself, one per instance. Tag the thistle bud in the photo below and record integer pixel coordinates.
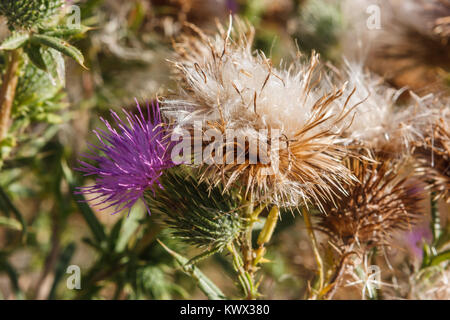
(29, 13)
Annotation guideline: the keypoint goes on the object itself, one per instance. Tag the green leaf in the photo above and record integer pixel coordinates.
(63, 31)
(15, 41)
(59, 66)
(10, 207)
(204, 283)
(61, 268)
(426, 256)
(152, 282)
(88, 215)
(6, 267)
(10, 223)
(441, 257)
(114, 234)
(93, 244)
(59, 45)
(129, 227)
(34, 54)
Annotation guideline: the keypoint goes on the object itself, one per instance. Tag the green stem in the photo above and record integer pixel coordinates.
(435, 218)
(247, 243)
(251, 258)
(238, 266)
(315, 248)
(247, 248)
(8, 90)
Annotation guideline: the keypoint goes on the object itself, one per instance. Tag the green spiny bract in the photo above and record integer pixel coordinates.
(38, 96)
(208, 219)
(29, 13)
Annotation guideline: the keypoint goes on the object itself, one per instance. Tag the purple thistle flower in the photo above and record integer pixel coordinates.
(416, 238)
(129, 160)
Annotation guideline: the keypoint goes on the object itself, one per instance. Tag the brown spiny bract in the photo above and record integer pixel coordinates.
(227, 87)
(433, 154)
(381, 204)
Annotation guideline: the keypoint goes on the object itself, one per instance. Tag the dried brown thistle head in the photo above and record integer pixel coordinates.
(433, 155)
(414, 50)
(380, 205)
(286, 113)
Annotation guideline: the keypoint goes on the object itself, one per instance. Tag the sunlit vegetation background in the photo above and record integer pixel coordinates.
(44, 229)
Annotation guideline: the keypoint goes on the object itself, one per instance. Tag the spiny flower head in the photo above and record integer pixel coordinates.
(384, 202)
(228, 88)
(208, 220)
(129, 159)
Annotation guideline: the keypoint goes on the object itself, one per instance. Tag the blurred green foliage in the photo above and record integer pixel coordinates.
(58, 102)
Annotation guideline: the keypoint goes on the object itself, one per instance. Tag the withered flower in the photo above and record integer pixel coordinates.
(409, 47)
(433, 155)
(383, 203)
(378, 123)
(286, 113)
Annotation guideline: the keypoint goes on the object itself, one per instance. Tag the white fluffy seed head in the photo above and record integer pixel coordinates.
(246, 88)
(379, 122)
(225, 85)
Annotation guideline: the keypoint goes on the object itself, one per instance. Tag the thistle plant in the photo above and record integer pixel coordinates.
(271, 162)
(230, 198)
(331, 145)
(321, 119)
(33, 56)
